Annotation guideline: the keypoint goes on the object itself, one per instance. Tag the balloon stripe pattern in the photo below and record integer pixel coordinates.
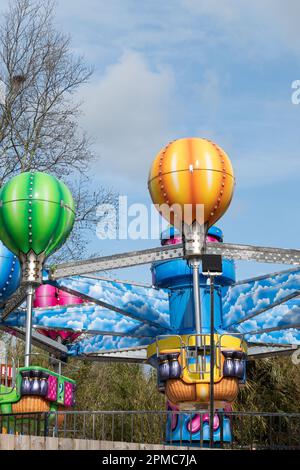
(36, 213)
(192, 171)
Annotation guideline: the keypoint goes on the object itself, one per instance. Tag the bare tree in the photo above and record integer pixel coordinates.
(86, 219)
(39, 116)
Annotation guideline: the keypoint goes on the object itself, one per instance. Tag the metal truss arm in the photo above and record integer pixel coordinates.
(263, 310)
(260, 351)
(139, 355)
(271, 329)
(294, 270)
(14, 302)
(39, 340)
(260, 254)
(227, 250)
(121, 260)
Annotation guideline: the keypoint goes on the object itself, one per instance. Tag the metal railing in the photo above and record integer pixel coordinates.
(8, 364)
(249, 430)
(51, 363)
(199, 348)
(195, 352)
(7, 375)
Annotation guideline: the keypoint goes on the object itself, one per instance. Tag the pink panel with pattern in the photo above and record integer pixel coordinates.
(69, 394)
(52, 388)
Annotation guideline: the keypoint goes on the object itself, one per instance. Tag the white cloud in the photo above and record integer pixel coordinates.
(261, 25)
(254, 28)
(128, 109)
(130, 106)
(260, 170)
(226, 11)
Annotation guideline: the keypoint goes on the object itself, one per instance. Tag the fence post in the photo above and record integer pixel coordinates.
(221, 414)
(46, 424)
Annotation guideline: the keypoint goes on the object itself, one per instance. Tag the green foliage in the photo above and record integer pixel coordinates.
(117, 387)
(273, 385)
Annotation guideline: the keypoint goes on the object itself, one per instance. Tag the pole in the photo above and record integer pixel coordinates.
(197, 312)
(196, 292)
(212, 362)
(193, 248)
(30, 292)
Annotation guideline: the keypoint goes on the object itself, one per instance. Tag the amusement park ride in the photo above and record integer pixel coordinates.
(196, 325)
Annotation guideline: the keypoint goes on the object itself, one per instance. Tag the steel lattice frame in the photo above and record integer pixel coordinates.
(67, 274)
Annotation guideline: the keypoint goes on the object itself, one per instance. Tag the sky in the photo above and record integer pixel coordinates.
(219, 69)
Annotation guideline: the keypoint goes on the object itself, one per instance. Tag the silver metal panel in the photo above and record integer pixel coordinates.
(260, 351)
(132, 355)
(261, 331)
(40, 341)
(122, 260)
(14, 302)
(120, 281)
(267, 276)
(140, 355)
(227, 250)
(255, 253)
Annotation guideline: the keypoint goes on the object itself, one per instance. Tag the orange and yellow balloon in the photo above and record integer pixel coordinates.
(192, 171)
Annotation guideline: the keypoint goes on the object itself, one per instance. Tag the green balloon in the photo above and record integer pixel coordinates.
(36, 213)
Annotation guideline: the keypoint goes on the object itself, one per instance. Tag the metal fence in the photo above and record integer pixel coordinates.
(250, 430)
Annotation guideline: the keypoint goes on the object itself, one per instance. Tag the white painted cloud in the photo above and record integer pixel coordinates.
(140, 302)
(245, 299)
(290, 336)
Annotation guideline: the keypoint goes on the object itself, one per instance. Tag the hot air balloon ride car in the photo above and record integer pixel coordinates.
(36, 216)
(196, 324)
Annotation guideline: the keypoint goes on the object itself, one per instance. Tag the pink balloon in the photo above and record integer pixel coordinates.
(178, 239)
(49, 296)
(173, 241)
(211, 239)
(45, 296)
